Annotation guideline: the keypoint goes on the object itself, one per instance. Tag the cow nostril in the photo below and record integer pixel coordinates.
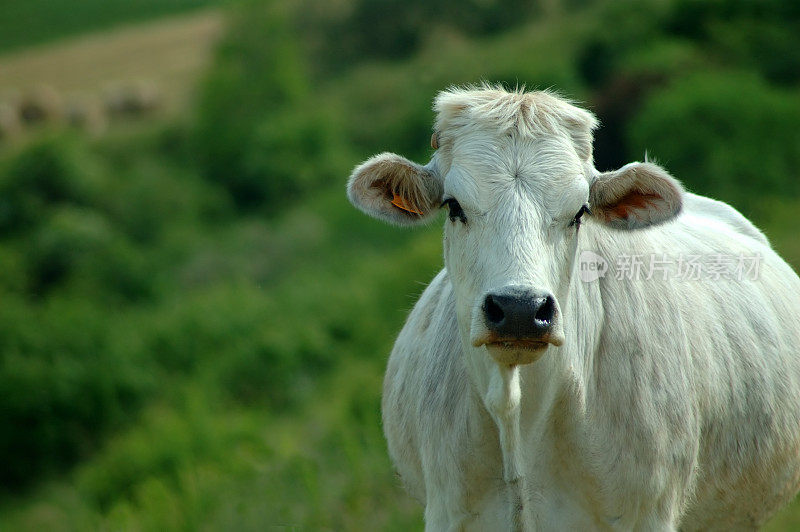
(494, 313)
(546, 310)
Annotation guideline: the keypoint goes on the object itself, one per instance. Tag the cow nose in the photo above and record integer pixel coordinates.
(515, 314)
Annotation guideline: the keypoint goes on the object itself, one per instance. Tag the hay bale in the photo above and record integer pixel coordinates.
(41, 105)
(132, 100)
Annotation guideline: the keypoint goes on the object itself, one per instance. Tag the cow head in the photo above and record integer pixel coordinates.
(514, 172)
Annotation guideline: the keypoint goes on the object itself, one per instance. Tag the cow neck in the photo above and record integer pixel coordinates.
(502, 400)
(538, 388)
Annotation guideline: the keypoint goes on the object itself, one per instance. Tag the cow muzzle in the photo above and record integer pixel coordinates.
(517, 324)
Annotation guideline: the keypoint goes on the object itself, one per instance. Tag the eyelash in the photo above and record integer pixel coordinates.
(576, 221)
(455, 210)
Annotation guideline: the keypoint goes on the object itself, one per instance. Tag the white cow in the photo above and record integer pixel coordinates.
(525, 392)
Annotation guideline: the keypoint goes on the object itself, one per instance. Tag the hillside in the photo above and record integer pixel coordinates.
(36, 22)
(170, 54)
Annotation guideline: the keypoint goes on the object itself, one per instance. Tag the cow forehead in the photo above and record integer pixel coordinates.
(488, 171)
(498, 147)
(511, 156)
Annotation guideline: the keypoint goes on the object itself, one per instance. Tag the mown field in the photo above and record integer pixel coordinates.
(33, 22)
(195, 322)
(170, 54)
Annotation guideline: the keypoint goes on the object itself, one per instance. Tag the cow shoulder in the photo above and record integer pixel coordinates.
(705, 360)
(426, 387)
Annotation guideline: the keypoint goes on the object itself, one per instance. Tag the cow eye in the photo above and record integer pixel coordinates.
(456, 212)
(577, 220)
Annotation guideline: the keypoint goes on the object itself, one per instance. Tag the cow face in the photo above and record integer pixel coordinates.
(514, 173)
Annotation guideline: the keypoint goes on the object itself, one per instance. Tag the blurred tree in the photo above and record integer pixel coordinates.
(49, 171)
(128, 279)
(60, 390)
(257, 75)
(341, 36)
(727, 135)
(763, 35)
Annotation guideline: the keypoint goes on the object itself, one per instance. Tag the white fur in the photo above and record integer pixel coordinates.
(670, 404)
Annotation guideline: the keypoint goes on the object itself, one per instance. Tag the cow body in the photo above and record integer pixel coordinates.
(685, 412)
(657, 403)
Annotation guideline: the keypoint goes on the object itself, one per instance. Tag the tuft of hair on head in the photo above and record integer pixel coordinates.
(529, 113)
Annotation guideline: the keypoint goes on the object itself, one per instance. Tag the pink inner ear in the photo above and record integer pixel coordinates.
(632, 201)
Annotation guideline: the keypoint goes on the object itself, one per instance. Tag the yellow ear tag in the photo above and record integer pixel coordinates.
(400, 203)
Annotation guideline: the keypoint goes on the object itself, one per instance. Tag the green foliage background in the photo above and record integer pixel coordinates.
(194, 322)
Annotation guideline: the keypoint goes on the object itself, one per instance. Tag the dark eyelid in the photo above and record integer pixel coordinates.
(456, 211)
(576, 220)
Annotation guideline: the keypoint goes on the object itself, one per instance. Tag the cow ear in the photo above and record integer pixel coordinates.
(392, 188)
(635, 196)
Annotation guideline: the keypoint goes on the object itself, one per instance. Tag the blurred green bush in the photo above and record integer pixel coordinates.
(74, 283)
(338, 36)
(194, 322)
(727, 135)
(67, 376)
(259, 134)
(49, 171)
